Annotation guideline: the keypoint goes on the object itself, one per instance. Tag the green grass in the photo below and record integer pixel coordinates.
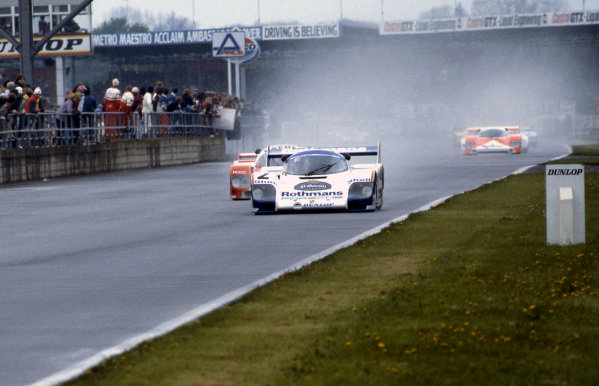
(583, 154)
(465, 293)
(586, 150)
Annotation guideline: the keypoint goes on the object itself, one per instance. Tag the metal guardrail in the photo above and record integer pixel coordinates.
(586, 124)
(19, 131)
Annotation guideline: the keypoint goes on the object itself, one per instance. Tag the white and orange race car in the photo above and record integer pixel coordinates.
(240, 172)
(493, 139)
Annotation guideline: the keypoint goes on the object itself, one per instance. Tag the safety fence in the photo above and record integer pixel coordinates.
(586, 125)
(54, 129)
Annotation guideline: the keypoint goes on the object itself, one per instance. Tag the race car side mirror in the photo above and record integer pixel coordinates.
(284, 158)
(257, 151)
(346, 156)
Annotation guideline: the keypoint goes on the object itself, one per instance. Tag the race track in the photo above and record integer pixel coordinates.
(88, 263)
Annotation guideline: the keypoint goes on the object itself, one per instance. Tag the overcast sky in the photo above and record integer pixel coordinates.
(219, 13)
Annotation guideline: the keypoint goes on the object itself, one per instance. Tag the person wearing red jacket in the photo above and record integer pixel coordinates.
(112, 99)
(125, 105)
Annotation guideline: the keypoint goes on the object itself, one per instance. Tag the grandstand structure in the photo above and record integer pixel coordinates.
(544, 60)
(51, 28)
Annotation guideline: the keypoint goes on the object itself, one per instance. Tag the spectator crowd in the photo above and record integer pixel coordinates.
(28, 118)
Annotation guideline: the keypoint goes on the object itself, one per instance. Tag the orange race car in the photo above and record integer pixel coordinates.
(495, 139)
(240, 172)
(240, 175)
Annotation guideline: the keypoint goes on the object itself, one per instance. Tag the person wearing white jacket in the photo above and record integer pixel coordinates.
(146, 111)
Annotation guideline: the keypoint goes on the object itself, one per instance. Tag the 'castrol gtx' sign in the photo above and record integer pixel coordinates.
(56, 46)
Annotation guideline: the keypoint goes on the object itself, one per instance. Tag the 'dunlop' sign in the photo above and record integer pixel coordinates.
(57, 46)
(565, 206)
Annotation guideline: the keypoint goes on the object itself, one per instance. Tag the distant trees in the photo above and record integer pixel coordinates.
(172, 22)
(506, 7)
(119, 25)
(444, 12)
(496, 7)
(142, 22)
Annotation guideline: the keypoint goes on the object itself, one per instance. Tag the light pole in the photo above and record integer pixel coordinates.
(193, 11)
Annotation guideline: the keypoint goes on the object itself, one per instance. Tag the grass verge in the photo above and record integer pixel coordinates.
(465, 293)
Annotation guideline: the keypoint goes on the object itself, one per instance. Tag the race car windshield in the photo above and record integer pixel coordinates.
(493, 133)
(315, 164)
(263, 160)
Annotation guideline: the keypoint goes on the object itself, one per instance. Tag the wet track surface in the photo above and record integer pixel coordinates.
(90, 262)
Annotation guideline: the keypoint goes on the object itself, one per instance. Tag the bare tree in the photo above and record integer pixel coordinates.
(506, 7)
(168, 22)
(173, 22)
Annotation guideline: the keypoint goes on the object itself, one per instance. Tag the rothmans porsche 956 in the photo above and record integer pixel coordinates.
(320, 178)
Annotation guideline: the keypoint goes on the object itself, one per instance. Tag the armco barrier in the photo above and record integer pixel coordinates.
(28, 164)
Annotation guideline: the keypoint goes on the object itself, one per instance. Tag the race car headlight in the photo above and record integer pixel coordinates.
(263, 192)
(470, 145)
(258, 194)
(515, 144)
(240, 181)
(359, 190)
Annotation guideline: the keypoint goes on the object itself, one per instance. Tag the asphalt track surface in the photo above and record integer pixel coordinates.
(90, 265)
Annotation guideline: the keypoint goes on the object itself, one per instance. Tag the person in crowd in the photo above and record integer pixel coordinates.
(125, 105)
(43, 26)
(20, 81)
(188, 99)
(176, 106)
(208, 109)
(87, 107)
(112, 98)
(163, 101)
(3, 111)
(99, 113)
(147, 110)
(64, 119)
(12, 107)
(159, 86)
(32, 109)
(170, 98)
(18, 114)
(138, 98)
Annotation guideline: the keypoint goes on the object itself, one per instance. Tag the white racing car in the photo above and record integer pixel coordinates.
(320, 178)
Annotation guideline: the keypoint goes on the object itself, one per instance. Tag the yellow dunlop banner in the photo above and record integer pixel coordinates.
(79, 44)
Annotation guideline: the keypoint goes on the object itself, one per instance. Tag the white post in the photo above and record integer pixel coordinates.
(59, 80)
(237, 79)
(565, 206)
(243, 83)
(566, 216)
(229, 77)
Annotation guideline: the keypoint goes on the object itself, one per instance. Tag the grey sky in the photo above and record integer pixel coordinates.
(218, 13)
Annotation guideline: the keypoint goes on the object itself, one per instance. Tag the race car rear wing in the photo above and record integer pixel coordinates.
(246, 157)
(352, 151)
